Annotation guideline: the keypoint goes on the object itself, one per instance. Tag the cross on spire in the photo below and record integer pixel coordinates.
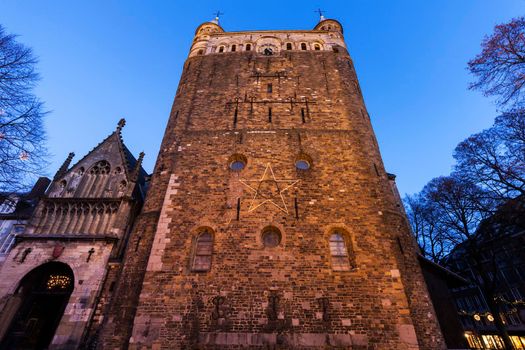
(217, 15)
(320, 12)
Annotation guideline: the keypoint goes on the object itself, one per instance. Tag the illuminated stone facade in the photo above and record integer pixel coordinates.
(82, 223)
(270, 222)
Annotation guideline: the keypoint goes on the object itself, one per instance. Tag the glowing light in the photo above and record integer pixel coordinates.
(477, 317)
(58, 282)
(490, 318)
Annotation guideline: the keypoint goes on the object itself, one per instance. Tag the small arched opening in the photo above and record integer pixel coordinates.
(37, 307)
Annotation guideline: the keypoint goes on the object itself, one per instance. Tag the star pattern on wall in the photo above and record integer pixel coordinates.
(269, 189)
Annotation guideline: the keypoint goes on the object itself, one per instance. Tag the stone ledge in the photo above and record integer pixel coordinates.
(294, 339)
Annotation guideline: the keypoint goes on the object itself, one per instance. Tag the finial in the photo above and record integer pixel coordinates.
(63, 168)
(217, 15)
(320, 12)
(138, 165)
(121, 124)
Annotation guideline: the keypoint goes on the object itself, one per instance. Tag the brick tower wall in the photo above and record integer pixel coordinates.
(287, 296)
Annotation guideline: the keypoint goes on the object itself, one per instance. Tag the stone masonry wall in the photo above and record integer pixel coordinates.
(88, 277)
(254, 296)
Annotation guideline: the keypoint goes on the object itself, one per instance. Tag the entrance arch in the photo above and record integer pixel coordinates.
(42, 296)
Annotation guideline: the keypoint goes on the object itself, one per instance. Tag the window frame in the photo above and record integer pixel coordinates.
(197, 251)
(335, 250)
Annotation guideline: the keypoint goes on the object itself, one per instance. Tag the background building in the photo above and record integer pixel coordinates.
(500, 241)
(15, 211)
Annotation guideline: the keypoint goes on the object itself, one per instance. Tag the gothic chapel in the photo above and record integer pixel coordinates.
(269, 223)
(57, 279)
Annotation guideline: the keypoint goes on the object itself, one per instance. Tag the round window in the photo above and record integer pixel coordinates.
(237, 162)
(302, 164)
(237, 165)
(271, 237)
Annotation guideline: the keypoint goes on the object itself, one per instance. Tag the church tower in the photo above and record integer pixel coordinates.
(270, 221)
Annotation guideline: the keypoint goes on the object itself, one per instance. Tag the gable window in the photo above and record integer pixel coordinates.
(248, 47)
(339, 252)
(288, 46)
(303, 46)
(203, 252)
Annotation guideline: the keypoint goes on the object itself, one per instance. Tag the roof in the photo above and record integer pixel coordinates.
(128, 159)
(452, 278)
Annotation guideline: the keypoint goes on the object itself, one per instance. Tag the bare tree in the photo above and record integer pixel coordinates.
(500, 67)
(424, 218)
(494, 159)
(22, 133)
(459, 209)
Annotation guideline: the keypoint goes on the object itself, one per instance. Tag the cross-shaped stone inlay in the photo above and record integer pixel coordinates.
(269, 189)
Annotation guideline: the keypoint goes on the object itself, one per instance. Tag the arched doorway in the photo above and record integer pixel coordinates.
(42, 295)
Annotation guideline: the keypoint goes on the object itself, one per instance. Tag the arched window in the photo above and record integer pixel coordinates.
(317, 47)
(200, 52)
(221, 48)
(303, 46)
(248, 47)
(288, 46)
(203, 252)
(339, 252)
(234, 48)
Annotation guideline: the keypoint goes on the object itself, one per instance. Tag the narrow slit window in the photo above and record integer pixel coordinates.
(270, 114)
(203, 252)
(248, 47)
(339, 253)
(303, 46)
(235, 117)
(269, 88)
(288, 46)
(234, 48)
(303, 118)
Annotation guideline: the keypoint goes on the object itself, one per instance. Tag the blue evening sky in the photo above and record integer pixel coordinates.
(101, 60)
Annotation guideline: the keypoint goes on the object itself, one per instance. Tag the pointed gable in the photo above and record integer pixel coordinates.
(106, 171)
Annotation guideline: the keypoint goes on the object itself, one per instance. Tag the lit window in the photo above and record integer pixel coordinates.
(203, 252)
(339, 252)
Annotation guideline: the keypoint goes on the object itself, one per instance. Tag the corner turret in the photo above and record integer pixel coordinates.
(202, 36)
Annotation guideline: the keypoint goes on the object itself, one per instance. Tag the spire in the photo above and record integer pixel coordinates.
(121, 124)
(138, 165)
(217, 15)
(63, 169)
(320, 12)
